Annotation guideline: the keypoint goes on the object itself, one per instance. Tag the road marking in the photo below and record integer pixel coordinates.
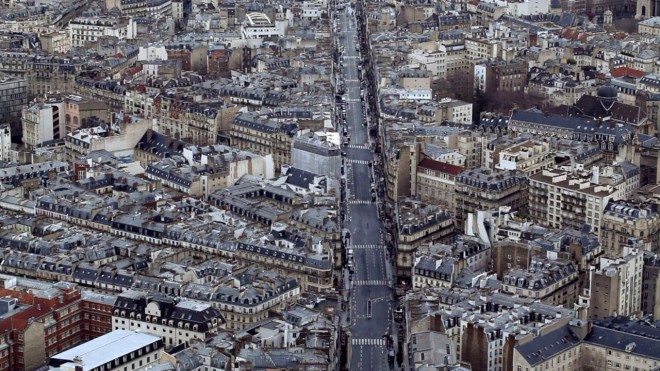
(363, 162)
(360, 202)
(376, 342)
(358, 146)
(367, 246)
(371, 283)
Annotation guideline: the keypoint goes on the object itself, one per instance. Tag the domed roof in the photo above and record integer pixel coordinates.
(607, 91)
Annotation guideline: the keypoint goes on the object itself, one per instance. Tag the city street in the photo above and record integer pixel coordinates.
(371, 296)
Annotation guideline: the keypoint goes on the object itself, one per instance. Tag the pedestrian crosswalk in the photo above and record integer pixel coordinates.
(360, 202)
(379, 342)
(371, 283)
(363, 162)
(359, 247)
(358, 146)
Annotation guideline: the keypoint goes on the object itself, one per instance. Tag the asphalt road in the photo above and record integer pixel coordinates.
(371, 296)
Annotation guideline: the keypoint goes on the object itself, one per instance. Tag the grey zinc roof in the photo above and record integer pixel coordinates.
(299, 178)
(621, 333)
(97, 352)
(568, 122)
(547, 346)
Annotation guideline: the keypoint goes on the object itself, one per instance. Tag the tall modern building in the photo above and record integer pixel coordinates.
(5, 142)
(42, 123)
(13, 96)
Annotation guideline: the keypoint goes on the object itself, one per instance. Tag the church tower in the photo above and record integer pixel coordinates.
(607, 17)
(645, 9)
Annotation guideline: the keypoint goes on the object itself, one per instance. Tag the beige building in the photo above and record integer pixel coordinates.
(557, 349)
(620, 345)
(264, 136)
(483, 189)
(649, 26)
(55, 42)
(84, 30)
(553, 282)
(415, 79)
(481, 48)
(43, 123)
(616, 286)
(419, 225)
(469, 145)
(455, 110)
(436, 181)
(530, 157)
(622, 222)
(84, 113)
(176, 321)
(558, 198)
(198, 124)
(399, 166)
(83, 141)
(613, 344)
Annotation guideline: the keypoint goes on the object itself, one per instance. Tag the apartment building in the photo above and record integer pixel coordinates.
(484, 189)
(454, 110)
(56, 42)
(121, 139)
(559, 349)
(469, 145)
(193, 57)
(417, 225)
(414, 79)
(13, 97)
(218, 63)
(117, 351)
(558, 198)
(80, 112)
(5, 143)
(625, 223)
(436, 182)
(264, 136)
(198, 123)
(43, 123)
(177, 321)
(621, 343)
(84, 30)
(553, 282)
(312, 270)
(38, 325)
(96, 309)
(618, 343)
(609, 136)
(244, 304)
(529, 157)
(434, 271)
(477, 48)
(651, 285)
(491, 331)
(504, 76)
(616, 285)
(201, 171)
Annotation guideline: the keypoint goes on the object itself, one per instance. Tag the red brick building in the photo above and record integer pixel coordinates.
(38, 325)
(97, 314)
(219, 63)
